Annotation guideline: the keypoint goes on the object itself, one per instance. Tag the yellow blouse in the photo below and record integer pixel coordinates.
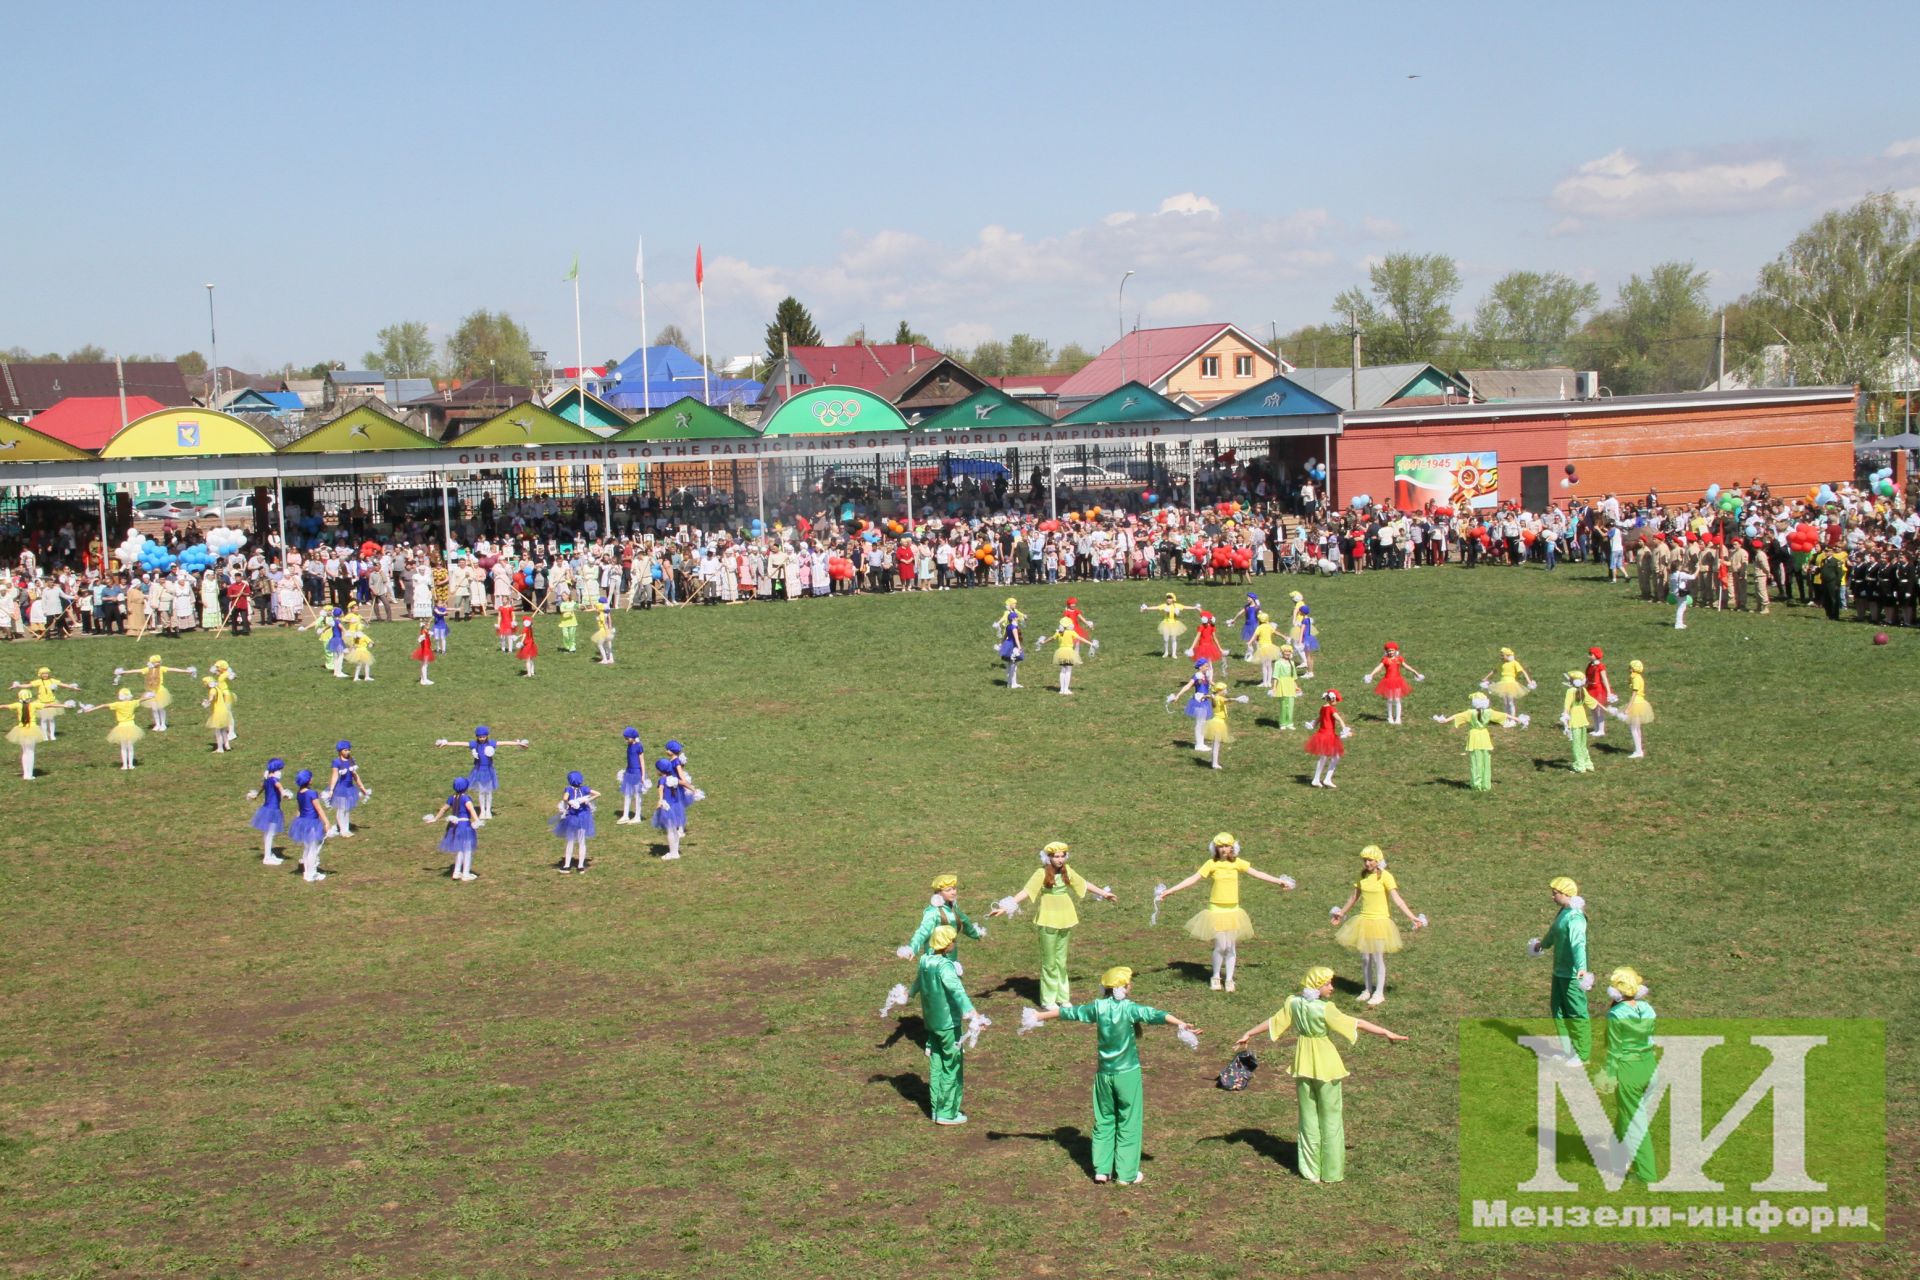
(1223, 877)
(1373, 895)
(124, 710)
(1055, 905)
(1314, 1054)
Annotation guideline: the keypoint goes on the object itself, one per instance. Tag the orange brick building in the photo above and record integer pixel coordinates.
(1789, 438)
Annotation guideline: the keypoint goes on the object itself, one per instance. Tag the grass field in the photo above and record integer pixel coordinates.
(210, 1068)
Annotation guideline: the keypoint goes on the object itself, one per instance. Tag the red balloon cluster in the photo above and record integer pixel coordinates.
(1803, 537)
(839, 568)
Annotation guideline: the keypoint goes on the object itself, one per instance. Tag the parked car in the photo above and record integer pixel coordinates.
(229, 508)
(165, 509)
(1142, 472)
(1088, 475)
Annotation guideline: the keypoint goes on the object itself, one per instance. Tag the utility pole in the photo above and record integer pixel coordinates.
(1353, 387)
(1908, 397)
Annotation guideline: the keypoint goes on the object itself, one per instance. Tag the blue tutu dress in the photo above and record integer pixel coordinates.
(1250, 620)
(268, 816)
(671, 813)
(1010, 647)
(1200, 704)
(439, 629)
(459, 836)
(633, 778)
(346, 789)
(336, 639)
(308, 827)
(1308, 641)
(577, 820)
(482, 777)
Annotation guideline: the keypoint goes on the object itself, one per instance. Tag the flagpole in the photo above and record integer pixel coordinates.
(706, 381)
(646, 377)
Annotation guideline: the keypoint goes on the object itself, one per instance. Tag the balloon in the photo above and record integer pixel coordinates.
(1713, 493)
(871, 535)
(1825, 496)
(1884, 488)
(1569, 468)
(1360, 502)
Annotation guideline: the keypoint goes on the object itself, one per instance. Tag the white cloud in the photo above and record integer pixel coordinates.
(1902, 148)
(1381, 228)
(1188, 202)
(1182, 304)
(1618, 185)
(1120, 219)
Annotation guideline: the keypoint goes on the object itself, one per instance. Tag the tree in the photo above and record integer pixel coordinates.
(1071, 358)
(320, 370)
(92, 353)
(1318, 346)
(671, 336)
(488, 344)
(193, 364)
(1528, 318)
(905, 335)
(1655, 337)
(1027, 354)
(20, 355)
(1408, 315)
(858, 338)
(791, 322)
(405, 351)
(990, 359)
(1836, 298)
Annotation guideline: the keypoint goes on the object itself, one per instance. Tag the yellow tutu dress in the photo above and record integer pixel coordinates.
(155, 679)
(1066, 647)
(1509, 684)
(124, 730)
(1264, 647)
(360, 651)
(1217, 730)
(1370, 927)
(26, 731)
(1638, 710)
(1170, 624)
(219, 706)
(601, 631)
(1223, 913)
(46, 696)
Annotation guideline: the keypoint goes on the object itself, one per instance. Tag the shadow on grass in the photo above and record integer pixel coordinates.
(1192, 970)
(1069, 1138)
(1027, 989)
(1343, 983)
(1280, 1151)
(1458, 784)
(907, 1028)
(908, 1086)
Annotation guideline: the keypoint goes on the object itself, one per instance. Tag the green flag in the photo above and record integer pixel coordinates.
(574, 272)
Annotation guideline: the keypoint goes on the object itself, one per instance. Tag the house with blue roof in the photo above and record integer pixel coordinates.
(654, 377)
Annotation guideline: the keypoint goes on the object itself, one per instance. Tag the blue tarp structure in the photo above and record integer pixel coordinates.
(973, 467)
(671, 374)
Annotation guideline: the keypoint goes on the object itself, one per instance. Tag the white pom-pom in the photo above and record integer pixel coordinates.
(1613, 994)
(1030, 1020)
(1486, 684)
(958, 968)
(1418, 678)
(1532, 685)
(1420, 921)
(1336, 912)
(1286, 882)
(1439, 719)
(1524, 719)
(426, 817)
(1577, 902)
(1533, 947)
(1187, 1037)
(1346, 731)
(937, 900)
(896, 998)
(1008, 907)
(1586, 982)
(1159, 892)
(976, 1023)
(905, 953)
(1367, 679)
(1640, 992)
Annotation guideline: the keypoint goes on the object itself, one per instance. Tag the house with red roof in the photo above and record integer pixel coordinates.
(27, 390)
(865, 365)
(88, 422)
(1191, 364)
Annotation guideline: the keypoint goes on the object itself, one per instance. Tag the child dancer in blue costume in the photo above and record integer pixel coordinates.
(311, 825)
(268, 820)
(482, 776)
(439, 630)
(1249, 616)
(345, 790)
(574, 822)
(633, 778)
(1199, 706)
(677, 792)
(1012, 646)
(461, 819)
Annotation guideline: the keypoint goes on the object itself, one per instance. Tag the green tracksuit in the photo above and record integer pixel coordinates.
(936, 914)
(1119, 1121)
(1567, 939)
(1630, 1064)
(943, 1005)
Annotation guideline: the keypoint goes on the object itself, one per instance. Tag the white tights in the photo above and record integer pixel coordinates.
(126, 755)
(1373, 970)
(606, 652)
(1013, 675)
(1680, 614)
(50, 726)
(462, 864)
(1513, 706)
(423, 673)
(1066, 679)
(362, 671)
(573, 843)
(1639, 747)
(343, 821)
(1323, 768)
(159, 719)
(1266, 675)
(222, 739)
(26, 762)
(1216, 753)
(336, 662)
(673, 841)
(1226, 953)
(310, 861)
(266, 850)
(1166, 646)
(1199, 735)
(1393, 710)
(529, 666)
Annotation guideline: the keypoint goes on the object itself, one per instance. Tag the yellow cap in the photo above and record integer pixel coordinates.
(1011, 602)
(1224, 840)
(1118, 976)
(153, 659)
(1636, 665)
(1372, 854)
(125, 694)
(1316, 977)
(1566, 885)
(948, 881)
(942, 938)
(44, 672)
(1265, 616)
(1506, 653)
(1627, 981)
(1055, 846)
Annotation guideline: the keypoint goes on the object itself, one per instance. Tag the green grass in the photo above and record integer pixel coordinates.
(210, 1068)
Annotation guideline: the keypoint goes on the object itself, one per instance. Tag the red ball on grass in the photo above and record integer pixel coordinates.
(1879, 637)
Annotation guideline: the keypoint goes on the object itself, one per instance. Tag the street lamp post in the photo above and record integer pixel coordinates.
(1120, 310)
(213, 346)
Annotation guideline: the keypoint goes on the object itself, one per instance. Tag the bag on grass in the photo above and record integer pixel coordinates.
(1238, 1074)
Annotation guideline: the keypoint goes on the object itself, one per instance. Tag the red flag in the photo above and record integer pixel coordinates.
(699, 269)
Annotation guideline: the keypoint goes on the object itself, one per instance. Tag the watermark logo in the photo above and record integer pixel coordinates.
(1716, 1130)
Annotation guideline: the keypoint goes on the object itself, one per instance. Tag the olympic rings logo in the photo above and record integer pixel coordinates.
(835, 413)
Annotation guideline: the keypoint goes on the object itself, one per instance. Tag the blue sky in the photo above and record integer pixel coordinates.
(978, 170)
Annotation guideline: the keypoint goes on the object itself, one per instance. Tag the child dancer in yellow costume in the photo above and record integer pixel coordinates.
(1119, 1103)
(1628, 1070)
(1477, 717)
(1638, 712)
(1224, 922)
(47, 706)
(1066, 652)
(1053, 888)
(219, 704)
(1215, 729)
(124, 732)
(1317, 1070)
(1171, 628)
(1372, 933)
(154, 677)
(1510, 682)
(1265, 648)
(24, 732)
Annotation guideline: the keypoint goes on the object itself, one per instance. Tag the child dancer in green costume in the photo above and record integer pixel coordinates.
(569, 626)
(1286, 685)
(942, 909)
(1576, 716)
(1567, 997)
(1119, 1118)
(1477, 718)
(944, 1007)
(1629, 1068)
(1053, 887)
(1317, 1070)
